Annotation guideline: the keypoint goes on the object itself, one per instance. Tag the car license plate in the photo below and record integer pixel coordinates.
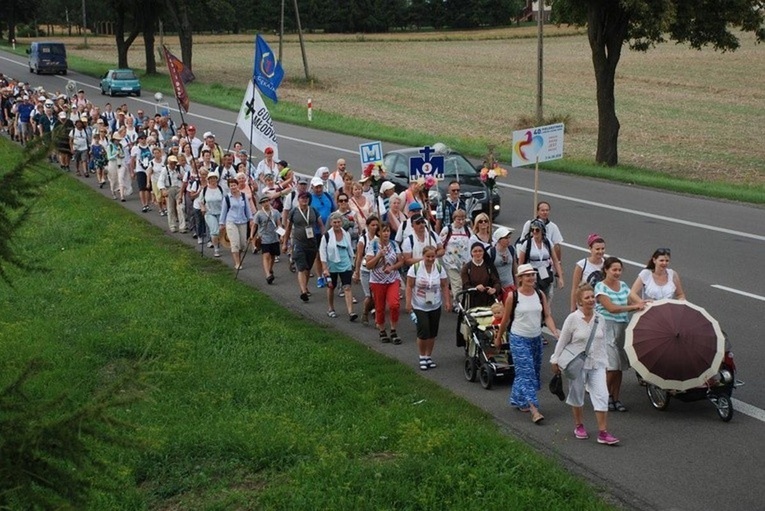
(127, 88)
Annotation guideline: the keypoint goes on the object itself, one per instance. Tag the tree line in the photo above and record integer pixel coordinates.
(131, 18)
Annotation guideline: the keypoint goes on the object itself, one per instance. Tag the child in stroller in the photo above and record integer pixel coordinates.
(476, 328)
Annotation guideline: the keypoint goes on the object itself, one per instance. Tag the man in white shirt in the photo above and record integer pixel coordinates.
(336, 177)
(266, 166)
(140, 157)
(169, 183)
(552, 233)
(227, 171)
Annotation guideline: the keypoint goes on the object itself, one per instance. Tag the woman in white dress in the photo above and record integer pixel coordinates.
(658, 280)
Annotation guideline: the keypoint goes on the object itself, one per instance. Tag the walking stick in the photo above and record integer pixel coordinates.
(242, 255)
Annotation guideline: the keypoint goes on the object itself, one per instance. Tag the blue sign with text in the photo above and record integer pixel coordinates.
(371, 152)
(426, 165)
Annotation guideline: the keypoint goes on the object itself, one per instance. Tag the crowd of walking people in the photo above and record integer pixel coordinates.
(341, 229)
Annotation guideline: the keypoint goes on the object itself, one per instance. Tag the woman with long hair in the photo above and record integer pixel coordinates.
(361, 271)
(658, 280)
(615, 302)
(482, 231)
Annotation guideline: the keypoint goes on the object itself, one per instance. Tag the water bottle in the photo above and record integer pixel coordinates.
(413, 317)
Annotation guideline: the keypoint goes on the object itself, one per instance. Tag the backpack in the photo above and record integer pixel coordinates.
(541, 283)
(416, 266)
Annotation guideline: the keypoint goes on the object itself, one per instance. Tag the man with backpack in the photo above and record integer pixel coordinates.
(451, 203)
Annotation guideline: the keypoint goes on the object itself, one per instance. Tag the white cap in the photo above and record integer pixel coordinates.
(317, 181)
(387, 185)
(208, 134)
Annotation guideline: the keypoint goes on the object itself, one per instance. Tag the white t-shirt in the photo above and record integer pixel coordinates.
(528, 316)
(426, 295)
(552, 232)
(588, 269)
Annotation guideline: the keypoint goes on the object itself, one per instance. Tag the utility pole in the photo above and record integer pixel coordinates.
(281, 33)
(84, 24)
(302, 46)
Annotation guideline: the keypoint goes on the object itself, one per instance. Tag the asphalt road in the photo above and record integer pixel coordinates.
(681, 459)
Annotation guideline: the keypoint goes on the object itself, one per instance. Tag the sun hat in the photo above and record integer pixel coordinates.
(212, 175)
(116, 136)
(316, 181)
(594, 238)
(415, 206)
(172, 158)
(504, 232)
(387, 185)
(525, 269)
(303, 181)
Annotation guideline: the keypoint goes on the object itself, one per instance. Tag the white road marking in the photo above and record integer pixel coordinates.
(738, 292)
(747, 409)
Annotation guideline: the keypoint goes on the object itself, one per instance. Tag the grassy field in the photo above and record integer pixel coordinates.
(248, 410)
(683, 112)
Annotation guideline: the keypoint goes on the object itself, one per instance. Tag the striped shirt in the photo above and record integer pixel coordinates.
(617, 298)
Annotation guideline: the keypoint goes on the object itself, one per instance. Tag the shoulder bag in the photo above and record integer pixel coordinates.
(572, 362)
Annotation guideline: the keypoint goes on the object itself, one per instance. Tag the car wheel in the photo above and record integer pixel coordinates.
(111, 92)
(102, 91)
(64, 72)
(138, 94)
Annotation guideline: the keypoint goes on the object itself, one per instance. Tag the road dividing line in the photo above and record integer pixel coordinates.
(747, 409)
(739, 292)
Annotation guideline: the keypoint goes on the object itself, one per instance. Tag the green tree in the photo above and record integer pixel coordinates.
(645, 23)
(19, 188)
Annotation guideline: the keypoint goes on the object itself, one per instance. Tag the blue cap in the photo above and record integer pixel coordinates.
(415, 206)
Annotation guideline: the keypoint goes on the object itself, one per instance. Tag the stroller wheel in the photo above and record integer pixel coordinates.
(470, 369)
(659, 398)
(724, 407)
(486, 376)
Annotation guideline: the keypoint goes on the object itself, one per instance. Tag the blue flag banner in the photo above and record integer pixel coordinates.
(268, 72)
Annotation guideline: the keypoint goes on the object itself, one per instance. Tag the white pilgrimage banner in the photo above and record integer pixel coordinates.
(256, 123)
(538, 145)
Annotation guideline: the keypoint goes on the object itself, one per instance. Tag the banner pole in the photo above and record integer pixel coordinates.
(536, 186)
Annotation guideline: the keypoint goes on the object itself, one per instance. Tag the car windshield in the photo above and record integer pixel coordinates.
(456, 164)
(53, 49)
(124, 75)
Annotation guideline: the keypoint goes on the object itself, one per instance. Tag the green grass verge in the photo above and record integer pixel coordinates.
(252, 407)
(230, 98)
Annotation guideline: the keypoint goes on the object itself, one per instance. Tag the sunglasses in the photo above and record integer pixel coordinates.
(342, 200)
(483, 221)
(536, 230)
(663, 251)
(454, 190)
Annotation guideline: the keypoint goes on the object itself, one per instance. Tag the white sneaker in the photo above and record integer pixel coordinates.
(216, 253)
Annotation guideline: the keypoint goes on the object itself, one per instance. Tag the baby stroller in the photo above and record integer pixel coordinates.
(476, 334)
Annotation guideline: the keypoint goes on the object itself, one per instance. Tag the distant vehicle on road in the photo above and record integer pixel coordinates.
(120, 81)
(47, 57)
(456, 168)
